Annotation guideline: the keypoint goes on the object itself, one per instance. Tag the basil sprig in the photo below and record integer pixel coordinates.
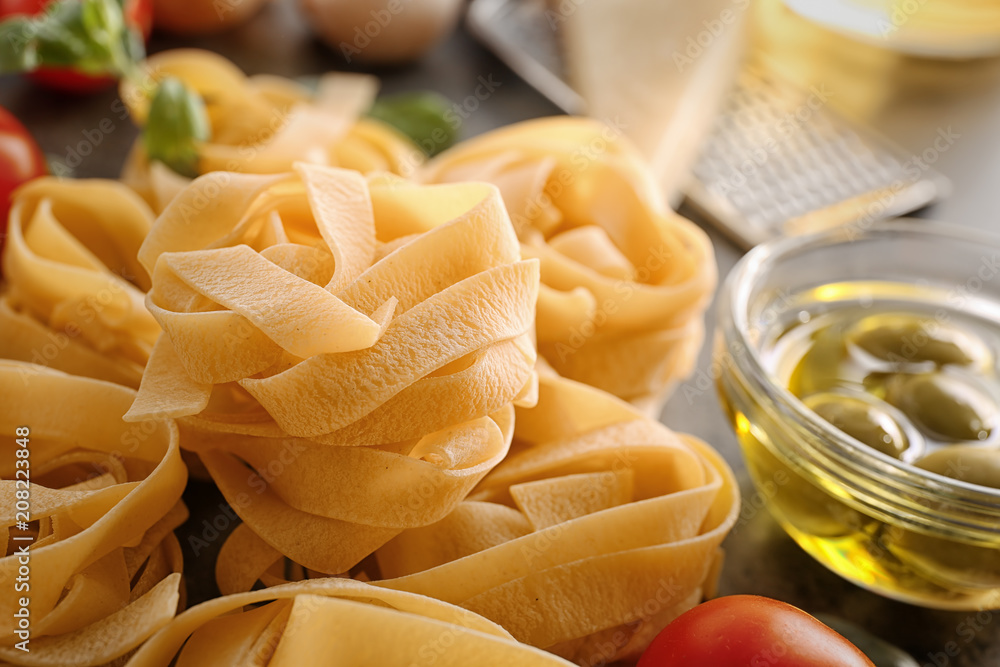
(427, 118)
(90, 36)
(176, 125)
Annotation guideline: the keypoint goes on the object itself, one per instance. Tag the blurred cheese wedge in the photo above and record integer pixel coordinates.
(655, 70)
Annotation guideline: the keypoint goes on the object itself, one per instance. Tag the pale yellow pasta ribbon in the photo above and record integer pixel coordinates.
(361, 365)
(103, 567)
(334, 622)
(599, 528)
(263, 124)
(75, 297)
(625, 281)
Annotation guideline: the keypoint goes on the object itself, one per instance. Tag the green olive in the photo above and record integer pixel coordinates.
(821, 368)
(862, 420)
(968, 463)
(943, 405)
(903, 339)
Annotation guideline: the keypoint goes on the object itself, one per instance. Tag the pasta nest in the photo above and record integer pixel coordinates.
(358, 343)
(625, 281)
(103, 567)
(75, 289)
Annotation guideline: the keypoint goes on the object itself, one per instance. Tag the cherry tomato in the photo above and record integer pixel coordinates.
(138, 14)
(21, 7)
(69, 80)
(750, 631)
(20, 161)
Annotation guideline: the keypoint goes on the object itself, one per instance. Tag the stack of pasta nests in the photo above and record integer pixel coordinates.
(353, 356)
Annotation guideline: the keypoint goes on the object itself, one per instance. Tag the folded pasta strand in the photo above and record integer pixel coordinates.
(605, 531)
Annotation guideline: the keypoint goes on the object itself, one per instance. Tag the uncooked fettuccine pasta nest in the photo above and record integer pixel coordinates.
(357, 343)
(75, 290)
(104, 568)
(598, 528)
(625, 281)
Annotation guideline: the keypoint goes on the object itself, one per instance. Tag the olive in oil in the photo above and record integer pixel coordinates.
(901, 382)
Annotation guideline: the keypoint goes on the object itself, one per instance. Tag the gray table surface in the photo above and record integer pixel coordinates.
(760, 558)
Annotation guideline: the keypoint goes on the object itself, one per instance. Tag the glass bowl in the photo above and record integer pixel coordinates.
(890, 527)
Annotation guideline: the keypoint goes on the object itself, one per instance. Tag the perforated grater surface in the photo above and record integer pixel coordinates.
(778, 161)
(817, 170)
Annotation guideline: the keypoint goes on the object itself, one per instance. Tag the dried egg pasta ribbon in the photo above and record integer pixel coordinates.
(285, 501)
(104, 500)
(75, 288)
(491, 307)
(263, 124)
(22, 337)
(578, 534)
(230, 314)
(337, 332)
(624, 281)
(333, 622)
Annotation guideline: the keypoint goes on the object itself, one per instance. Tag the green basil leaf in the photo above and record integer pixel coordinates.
(426, 118)
(86, 35)
(59, 34)
(134, 48)
(17, 52)
(103, 20)
(177, 123)
(60, 44)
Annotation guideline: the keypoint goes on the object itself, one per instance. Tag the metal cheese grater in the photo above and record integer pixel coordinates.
(778, 160)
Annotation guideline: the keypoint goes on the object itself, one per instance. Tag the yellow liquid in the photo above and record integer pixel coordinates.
(871, 552)
(931, 25)
(868, 80)
(870, 546)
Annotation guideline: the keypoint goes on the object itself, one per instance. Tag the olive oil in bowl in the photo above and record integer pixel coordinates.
(874, 398)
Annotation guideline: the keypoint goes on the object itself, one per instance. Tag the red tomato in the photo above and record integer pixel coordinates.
(138, 14)
(69, 80)
(20, 160)
(750, 631)
(19, 7)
